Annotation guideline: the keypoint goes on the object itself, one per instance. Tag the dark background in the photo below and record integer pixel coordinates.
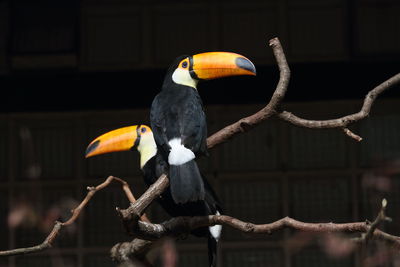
(83, 55)
(69, 91)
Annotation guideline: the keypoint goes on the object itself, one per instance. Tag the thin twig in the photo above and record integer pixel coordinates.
(381, 217)
(130, 215)
(348, 132)
(47, 243)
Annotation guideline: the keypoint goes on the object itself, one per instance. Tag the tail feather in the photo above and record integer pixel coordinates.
(186, 182)
(214, 235)
(212, 251)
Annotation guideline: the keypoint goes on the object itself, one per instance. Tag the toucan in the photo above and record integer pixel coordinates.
(178, 121)
(153, 165)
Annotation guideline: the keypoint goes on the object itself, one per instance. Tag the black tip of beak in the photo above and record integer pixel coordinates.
(92, 147)
(246, 64)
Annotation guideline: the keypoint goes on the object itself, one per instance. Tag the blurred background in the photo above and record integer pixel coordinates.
(71, 70)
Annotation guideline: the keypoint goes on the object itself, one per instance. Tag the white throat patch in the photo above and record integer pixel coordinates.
(182, 76)
(147, 148)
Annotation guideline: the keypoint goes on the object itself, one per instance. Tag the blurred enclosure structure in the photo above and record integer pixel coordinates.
(274, 171)
(57, 58)
(115, 35)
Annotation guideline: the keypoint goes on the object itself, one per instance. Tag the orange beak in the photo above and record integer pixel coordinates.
(121, 139)
(213, 65)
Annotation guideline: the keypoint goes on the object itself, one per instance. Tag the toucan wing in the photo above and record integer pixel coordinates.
(179, 116)
(193, 125)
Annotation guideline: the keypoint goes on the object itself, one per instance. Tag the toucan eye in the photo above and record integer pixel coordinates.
(184, 64)
(143, 130)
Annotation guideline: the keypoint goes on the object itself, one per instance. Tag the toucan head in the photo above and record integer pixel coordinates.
(123, 139)
(188, 70)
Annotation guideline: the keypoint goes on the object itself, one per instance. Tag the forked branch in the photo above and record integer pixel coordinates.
(245, 124)
(273, 107)
(47, 243)
(345, 121)
(181, 226)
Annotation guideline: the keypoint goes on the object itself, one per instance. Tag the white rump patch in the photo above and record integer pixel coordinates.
(179, 154)
(216, 229)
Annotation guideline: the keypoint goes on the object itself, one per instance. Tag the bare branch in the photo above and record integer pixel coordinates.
(93, 190)
(348, 132)
(245, 124)
(181, 226)
(345, 121)
(125, 251)
(272, 108)
(131, 215)
(373, 226)
(47, 243)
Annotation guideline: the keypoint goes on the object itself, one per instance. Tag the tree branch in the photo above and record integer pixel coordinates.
(272, 108)
(181, 226)
(131, 215)
(47, 243)
(126, 251)
(345, 121)
(245, 124)
(374, 225)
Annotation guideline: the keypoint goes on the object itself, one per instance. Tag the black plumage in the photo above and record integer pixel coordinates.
(153, 165)
(153, 169)
(179, 125)
(177, 113)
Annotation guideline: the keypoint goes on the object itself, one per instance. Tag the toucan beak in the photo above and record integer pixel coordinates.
(121, 139)
(213, 65)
